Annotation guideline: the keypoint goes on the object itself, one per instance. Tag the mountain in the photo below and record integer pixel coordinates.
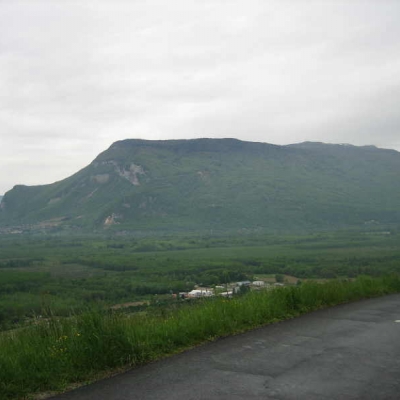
(222, 184)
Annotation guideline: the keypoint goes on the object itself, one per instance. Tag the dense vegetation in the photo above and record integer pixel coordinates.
(56, 294)
(64, 274)
(56, 352)
(218, 184)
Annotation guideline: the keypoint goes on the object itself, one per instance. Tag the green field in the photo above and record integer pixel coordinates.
(57, 352)
(56, 294)
(42, 274)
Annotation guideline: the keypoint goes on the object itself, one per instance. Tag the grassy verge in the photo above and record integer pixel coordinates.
(57, 352)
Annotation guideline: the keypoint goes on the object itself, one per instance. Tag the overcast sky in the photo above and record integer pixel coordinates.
(77, 76)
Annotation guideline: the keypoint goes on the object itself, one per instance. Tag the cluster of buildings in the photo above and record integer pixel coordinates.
(227, 290)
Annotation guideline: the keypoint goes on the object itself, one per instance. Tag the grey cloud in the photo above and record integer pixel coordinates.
(74, 76)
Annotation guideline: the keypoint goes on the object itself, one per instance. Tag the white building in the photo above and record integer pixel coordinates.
(201, 293)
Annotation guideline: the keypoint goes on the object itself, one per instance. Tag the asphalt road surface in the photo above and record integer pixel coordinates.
(347, 352)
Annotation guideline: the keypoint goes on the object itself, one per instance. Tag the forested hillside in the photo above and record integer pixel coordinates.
(217, 184)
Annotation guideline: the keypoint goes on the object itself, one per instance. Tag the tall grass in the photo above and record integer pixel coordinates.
(57, 352)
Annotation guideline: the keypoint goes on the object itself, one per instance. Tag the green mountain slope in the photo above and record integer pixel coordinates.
(217, 184)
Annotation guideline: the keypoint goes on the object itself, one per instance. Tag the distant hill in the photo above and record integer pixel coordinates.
(222, 184)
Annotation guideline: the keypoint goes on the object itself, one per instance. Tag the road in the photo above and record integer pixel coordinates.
(349, 351)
